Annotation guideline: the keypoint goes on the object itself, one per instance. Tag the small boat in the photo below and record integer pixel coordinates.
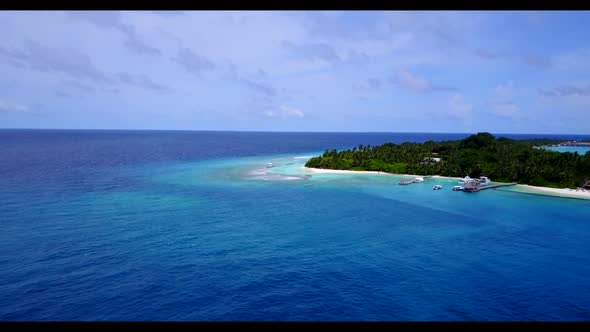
(437, 187)
(419, 180)
(457, 188)
(269, 165)
(484, 181)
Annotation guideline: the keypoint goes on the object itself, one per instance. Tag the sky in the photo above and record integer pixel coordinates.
(362, 71)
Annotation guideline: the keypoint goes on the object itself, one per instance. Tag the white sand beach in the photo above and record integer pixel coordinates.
(340, 171)
(572, 193)
(585, 194)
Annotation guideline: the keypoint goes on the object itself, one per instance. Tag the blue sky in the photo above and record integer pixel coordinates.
(441, 71)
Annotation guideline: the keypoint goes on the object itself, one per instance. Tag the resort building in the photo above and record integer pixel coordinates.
(430, 160)
(574, 143)
(471, 185)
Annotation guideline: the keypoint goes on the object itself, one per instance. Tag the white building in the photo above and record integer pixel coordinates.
(430, 160)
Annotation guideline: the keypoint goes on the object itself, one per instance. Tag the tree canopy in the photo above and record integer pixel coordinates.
(502, 159)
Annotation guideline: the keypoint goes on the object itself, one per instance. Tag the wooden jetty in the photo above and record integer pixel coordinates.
(406, 182)
(492, 186)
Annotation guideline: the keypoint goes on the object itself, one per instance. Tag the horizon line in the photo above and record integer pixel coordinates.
(287, 131)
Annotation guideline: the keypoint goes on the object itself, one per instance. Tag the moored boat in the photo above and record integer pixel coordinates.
(484, 180)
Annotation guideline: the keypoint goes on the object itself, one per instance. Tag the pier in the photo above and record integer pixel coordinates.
(406, 182)
(492, 186)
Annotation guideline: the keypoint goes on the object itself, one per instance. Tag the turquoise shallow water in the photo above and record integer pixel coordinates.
(148, 230)
(579, 149)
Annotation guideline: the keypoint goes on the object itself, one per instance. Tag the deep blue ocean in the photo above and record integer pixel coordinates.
(191, 226)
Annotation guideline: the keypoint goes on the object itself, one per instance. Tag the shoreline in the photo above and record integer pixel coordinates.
(528, 189)
(342, 171)
(555, 192)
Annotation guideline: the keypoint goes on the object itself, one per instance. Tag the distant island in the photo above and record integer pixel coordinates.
(501, 159)
(573, 143)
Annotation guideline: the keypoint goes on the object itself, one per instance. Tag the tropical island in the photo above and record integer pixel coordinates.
(502, 159)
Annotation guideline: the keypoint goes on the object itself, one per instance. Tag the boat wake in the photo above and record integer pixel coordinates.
(258, 172)
(265, 176)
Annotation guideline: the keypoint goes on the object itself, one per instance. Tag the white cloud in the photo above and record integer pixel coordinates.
(114, 42)
(573, 59)
(504, 91)
(319, 51)
(6, 106)
(502, 104)
(412, 81)
(284, 112)
(567, 94)
(567, 90)
(507, 109)
(294, 112)
(460, 108)
(221, 60)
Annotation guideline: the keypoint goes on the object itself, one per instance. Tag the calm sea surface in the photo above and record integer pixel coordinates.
(579, 149)
(191, 226)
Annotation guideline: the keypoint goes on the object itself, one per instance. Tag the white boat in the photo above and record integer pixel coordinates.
(484, 180)
(419, 180)
(269, 165)
(457, 188)
(437, 187)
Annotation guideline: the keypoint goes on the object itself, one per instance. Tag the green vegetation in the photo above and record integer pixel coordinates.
(502, 159)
